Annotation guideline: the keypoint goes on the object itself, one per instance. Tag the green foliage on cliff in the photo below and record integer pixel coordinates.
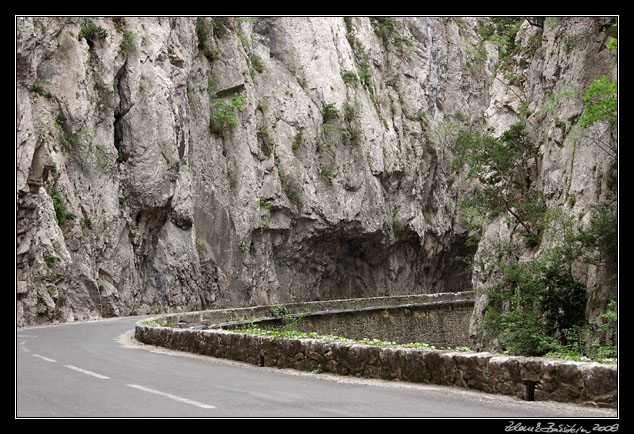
(204, 30)
(534, 304)
(501, 31)
(91, 32)
(223, 116)
(40, 91)
(62, 213)
(601, 102)
(127, 41)
(537, 307)
(506, 170)
(329, 113)
(385, 29)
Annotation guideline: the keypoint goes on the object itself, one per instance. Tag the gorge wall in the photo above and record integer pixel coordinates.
(169, 164)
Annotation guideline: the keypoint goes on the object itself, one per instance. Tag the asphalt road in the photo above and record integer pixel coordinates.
(97, 370)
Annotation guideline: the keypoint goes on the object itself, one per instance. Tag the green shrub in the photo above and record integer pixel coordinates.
(127, 41)
(297, 141)
(398, 225)
(50, 259)
(601, 100)
(86, 223)
(40, 91)
(350, 78)
(257, 64)
(501, 31)
(352, 135)
(221, 25)
(203, 30)
(62, 213)
(365, 77)
(329, 113)
(533, 304)
(277, 311)
(538, 307)
(119, 23)
(223, 116)
(91, 32)
(600, 239)
(293, 193)
(535, 307)
(326, 172)
(350, 112)
(212, 54)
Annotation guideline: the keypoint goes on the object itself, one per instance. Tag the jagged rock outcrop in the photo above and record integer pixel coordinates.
(182, 163)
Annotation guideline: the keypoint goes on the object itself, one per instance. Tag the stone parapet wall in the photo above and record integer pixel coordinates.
(524, 377)
(440, 324)
(216, 316)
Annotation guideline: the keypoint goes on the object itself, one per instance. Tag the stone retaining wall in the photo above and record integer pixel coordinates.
(213, 317)
(525, 377)
(440, 324)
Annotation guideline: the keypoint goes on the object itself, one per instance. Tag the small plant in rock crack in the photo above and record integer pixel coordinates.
(329, 112)
(62, 213)
(128, 42)
(40, 91)
(92, 32)
(223, 116)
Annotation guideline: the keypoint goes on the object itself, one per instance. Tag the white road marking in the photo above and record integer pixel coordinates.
(169, 395)
(44, 358)
(84, 371)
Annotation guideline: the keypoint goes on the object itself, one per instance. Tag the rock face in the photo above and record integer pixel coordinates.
(182, 163)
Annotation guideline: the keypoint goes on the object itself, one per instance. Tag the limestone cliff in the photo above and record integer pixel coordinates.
(183, 163)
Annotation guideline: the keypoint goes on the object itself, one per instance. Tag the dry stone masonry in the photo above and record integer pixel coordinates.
(526, 378)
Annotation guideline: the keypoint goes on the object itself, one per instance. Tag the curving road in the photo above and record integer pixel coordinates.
(97, 370)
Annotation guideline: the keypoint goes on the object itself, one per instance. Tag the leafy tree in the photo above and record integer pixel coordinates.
(600, 238)
(601, 107)
(505, 168)
(601, 103)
